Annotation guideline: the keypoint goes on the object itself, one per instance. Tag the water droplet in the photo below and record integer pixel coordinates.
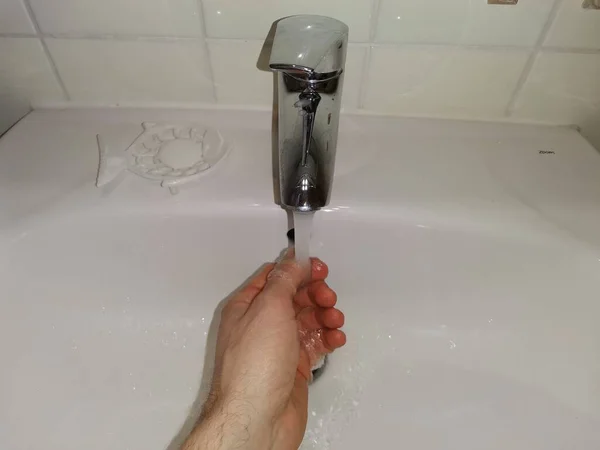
(389, 336)
(202, 320)
(314, 414)
(452, 344)
(134, 387)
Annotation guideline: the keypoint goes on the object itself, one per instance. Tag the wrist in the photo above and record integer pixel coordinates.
(230, 424)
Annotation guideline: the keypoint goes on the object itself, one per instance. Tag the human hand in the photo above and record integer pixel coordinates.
(271, 333)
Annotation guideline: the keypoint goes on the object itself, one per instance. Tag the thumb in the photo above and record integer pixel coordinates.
(239, 302)
(287, 277)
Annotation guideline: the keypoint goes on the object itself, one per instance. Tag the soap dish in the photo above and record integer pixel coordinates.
(167, 153)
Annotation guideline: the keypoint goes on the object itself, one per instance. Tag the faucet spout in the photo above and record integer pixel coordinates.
(308, 54)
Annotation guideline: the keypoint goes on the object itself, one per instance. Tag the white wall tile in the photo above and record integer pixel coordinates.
(14, 17)
(25, 71)
(471, 74)
(252, 19)
(239, 81)
(355, 63)
(462, 21)
(107, 71)
(124, 17)
(443, 81)
(562, 88)
(575, 27)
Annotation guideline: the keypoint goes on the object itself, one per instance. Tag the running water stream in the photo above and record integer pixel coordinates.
(302, 230)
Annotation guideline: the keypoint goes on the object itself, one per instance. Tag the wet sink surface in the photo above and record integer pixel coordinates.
(467, 328)
(447, 331)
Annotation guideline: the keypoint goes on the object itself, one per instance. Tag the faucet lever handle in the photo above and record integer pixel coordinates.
(309, 44)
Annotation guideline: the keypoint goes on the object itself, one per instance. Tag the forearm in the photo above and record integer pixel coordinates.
(227, 426)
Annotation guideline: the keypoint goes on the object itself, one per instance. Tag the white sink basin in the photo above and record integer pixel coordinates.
(467, 265)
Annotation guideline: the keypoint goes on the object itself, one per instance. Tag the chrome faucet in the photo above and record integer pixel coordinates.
(308, 54)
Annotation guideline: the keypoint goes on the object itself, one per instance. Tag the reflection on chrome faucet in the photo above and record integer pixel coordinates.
(308, 54)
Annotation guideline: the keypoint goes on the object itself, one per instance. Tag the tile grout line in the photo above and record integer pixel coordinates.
(119, 37)
(18, 35)
(364, 76)
(211, 70)
(525, 73)
(390, 44)
(375, 10)
(382, 44)
(527, 69)
(46, 50)
(152, 38)
(576, 50)
(364, 79)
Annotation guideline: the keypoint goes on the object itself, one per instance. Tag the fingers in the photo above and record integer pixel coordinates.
(317, 293)
(319, 269)
(316, 318)
(256, 283)
(238, 304)
(334, 339)
(287, 276)
(330, 317)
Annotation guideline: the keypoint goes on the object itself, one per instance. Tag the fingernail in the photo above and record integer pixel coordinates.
(318, 265)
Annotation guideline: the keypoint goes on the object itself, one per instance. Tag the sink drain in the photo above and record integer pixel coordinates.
(319, 369)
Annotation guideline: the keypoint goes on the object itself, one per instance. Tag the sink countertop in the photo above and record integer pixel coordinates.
(465, 257)
(495, 176)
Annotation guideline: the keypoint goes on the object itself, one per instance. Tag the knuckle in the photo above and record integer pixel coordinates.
(285, 274)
